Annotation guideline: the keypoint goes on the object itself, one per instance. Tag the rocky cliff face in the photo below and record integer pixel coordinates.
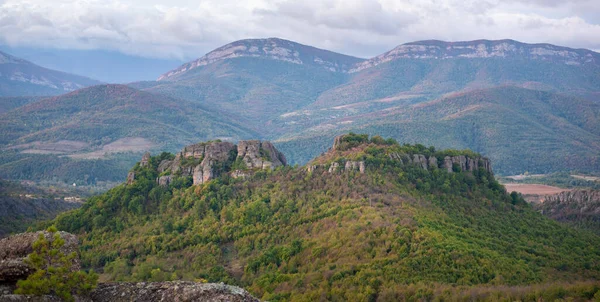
(261, 155)
(580, 208)
(483, 49)
(205, 161)
(462, 162)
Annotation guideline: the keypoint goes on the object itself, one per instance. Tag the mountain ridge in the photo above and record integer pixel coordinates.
(437, 49)
(273, 48)
(19, 77)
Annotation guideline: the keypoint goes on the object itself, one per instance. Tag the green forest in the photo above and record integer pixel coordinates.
(395, 232)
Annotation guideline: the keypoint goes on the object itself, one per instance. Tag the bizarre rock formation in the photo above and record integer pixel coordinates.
(206, 161)
(14, 250)
(465, 163)
(145, 159)
(262, 155)
(130, 177)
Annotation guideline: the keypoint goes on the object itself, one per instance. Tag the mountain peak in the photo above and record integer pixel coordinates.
(436, 49)
(271, 48)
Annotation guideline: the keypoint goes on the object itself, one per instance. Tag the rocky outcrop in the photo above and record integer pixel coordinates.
(583, 198)
(579, 208)
(145, 159)
(165, 180)
(261, 155)
(130, 177)
(206, 161)
(355, 166)
(169, 291)
(182, 291)
(14, 250)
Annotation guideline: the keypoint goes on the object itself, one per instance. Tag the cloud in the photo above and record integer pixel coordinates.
(188, 29)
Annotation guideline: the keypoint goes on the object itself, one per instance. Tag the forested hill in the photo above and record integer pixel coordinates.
(370, 220)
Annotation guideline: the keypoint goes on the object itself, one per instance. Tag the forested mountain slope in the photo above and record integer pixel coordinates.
(368, 220)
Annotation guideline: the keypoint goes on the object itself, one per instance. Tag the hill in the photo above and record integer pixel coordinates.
(368, 220)
(256, 80)
(22, 206)
(10, 103)
(578, 208)
(19, 77)
(91, 131)
(519, 129)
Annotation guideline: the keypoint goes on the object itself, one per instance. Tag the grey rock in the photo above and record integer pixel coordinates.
(334, 167)
(354, 166)
(260, 155)
(433, 162)
(14, 250)
(169, 291)
(130, 177)
(145, 159)
(165, 180)
(448, 164)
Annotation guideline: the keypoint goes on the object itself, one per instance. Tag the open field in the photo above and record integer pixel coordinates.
(127, 144)
(534, 189)
(585, 177)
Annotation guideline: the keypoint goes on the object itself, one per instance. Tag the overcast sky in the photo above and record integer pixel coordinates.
(188, 29)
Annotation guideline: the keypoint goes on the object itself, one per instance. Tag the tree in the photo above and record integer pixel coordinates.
(54, 272)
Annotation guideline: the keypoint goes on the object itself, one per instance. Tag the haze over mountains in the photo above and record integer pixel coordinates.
(19, 77)
(529, 107)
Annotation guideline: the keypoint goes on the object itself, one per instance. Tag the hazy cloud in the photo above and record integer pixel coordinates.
(188, 29)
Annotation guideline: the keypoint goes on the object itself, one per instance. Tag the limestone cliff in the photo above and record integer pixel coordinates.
(208, 160)
(580, 208)
(342, 147)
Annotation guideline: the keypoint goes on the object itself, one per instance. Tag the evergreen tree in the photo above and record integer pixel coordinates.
(54, 272)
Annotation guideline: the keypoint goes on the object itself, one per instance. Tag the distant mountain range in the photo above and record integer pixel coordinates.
(19, 77)
(103, 65)
(529, 107)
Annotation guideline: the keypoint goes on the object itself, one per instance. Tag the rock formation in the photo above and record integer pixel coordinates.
(169, 291)
(206, 161)
(261, 155)
(465, 163)
(130, 177)
(145, 159)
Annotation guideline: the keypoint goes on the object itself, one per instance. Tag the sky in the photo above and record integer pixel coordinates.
(178, 29)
